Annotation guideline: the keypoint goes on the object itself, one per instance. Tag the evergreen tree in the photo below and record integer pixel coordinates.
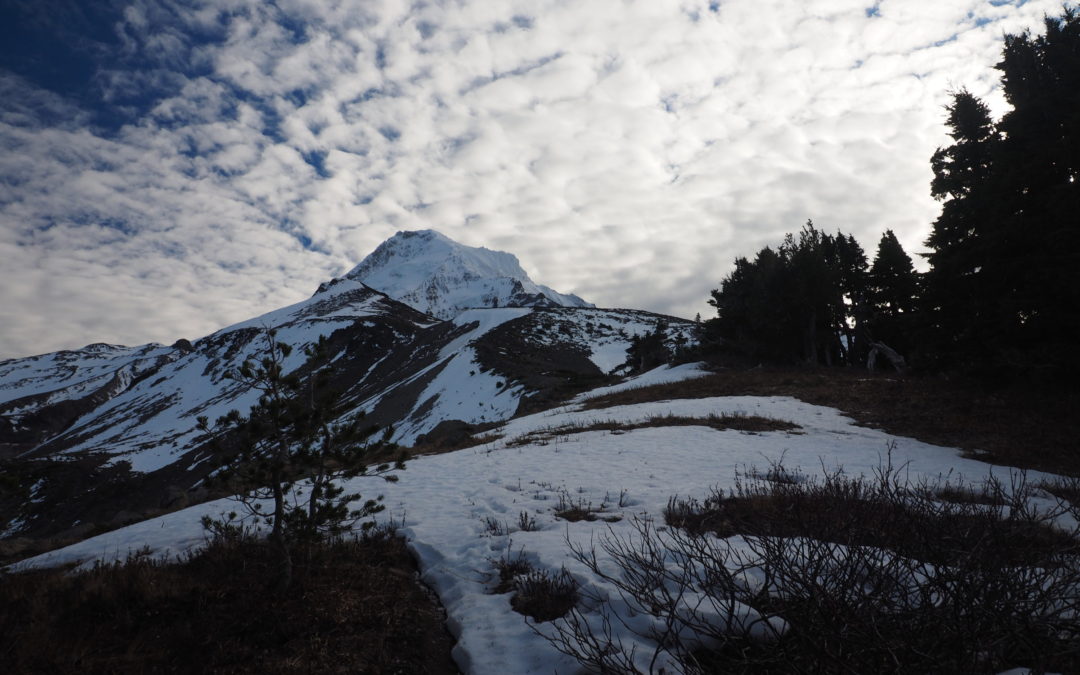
(1034, 257)
(289, 449)
(1003, 286)
(812, 289)
(751, 306)
(649, 350)
(827, 278)
(892, 294)
(956, 296)
(849, 260)
(796, 304)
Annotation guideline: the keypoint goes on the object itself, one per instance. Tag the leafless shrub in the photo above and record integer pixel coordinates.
(493, 527)
(574, 510)
(537, 593)
(543, 596)
(527, 523)
(508, 567)
(836, 575)
(577, 510)
(1067, 489)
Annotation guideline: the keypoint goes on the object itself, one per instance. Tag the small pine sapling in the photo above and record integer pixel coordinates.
(293, 448)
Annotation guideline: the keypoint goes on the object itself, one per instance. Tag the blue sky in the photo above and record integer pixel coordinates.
(167, 168)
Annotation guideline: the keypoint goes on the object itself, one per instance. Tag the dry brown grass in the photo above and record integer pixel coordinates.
(577, 510)
(543, 596)
(537, 594)
(357, 607)
(1067, 488)
(751, 424)
(1023, 426)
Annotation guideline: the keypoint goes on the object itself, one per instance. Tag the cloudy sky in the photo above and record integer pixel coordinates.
(169, 167)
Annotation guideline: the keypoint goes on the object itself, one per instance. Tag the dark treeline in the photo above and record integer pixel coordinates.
(1002, 294)
(815, 299)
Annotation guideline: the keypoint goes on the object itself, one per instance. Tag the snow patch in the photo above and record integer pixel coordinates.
(661, 375)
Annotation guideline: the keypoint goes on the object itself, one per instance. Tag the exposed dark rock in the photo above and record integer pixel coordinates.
(448, 434)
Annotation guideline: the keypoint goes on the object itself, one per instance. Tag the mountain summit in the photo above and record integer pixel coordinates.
(437, 275)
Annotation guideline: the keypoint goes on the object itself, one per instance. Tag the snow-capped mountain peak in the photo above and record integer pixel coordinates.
(437, 275)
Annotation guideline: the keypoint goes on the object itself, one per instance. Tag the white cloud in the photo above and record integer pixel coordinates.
(625, 151)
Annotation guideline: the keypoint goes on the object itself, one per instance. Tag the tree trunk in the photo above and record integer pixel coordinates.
(318, 480)
(277, 535)
(811, 340)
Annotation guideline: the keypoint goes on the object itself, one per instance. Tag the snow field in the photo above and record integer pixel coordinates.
(446, 502)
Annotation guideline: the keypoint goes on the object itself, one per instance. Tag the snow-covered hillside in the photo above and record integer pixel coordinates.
(441, 277)
(484, 372)
(150, 421)
(448, 502)
(98, 370)
(133, 411)
(82, 423)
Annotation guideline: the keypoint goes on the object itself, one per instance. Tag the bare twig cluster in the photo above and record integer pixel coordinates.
(835, 575)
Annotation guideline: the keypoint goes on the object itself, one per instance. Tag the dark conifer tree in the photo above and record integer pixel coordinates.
(752, 309)
(849, 261)
(1003, 287)
(813, 288)
(795, 304)
(1034, 257)
(649, 350)
(956, 297)
(892, 294)
(291, 450)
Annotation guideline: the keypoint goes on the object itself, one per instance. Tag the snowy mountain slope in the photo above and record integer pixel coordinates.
(460, 389)
(133, 450)
(31, 384)
(108, 434)
(604, 334)
(495, 363)
(402, 368)
(74, 370)
(40, 395)
(156, 393)
(447, 501)
(442, 277)
(153, 422)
